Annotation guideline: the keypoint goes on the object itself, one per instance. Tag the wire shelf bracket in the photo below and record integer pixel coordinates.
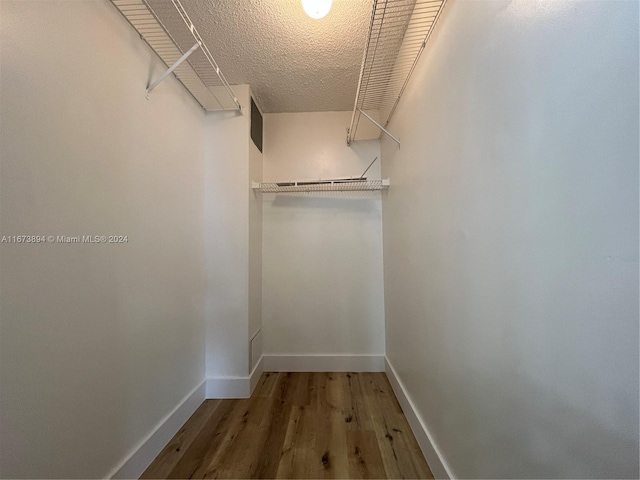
(384, 130)
(166, 27)
(398, 33)
(171, 69)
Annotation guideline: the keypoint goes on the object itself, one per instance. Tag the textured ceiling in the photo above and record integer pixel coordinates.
(292, 62)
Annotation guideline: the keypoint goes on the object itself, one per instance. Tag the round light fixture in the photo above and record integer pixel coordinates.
(316, 8)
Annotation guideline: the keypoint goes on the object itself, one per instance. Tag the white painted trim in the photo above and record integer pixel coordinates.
(255, 375)
(323, 363)
(228, 387)
(134, 464)
(437, 463)
(255, 334)
(235, 387)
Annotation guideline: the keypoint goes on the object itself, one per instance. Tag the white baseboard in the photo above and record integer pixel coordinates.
(242, 387)
(255, 375)
(143, 454)
(438, 465)
(228, 387)
(235, 387)
(323, 363)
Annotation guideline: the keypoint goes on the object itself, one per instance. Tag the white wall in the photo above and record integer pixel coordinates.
(511, 239)
(98, 342)
(255, 252)
(322, 253)
(233, 238)
(227, 239)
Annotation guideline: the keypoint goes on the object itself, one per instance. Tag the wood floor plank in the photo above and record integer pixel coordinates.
(168, 458)
(363, 419)
(207, 440)
(319, 395)
(298, 425)
(408, 456)
(266, 385)
(236, 457)
(302, 388)
(288, 454)
(365, 460)
(280, 411)
(383, 431)
(331, 445)
(306, 459)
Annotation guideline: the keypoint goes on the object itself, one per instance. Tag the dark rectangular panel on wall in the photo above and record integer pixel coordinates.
(256, 126)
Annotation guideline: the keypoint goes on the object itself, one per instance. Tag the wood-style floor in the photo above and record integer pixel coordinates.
(298, 425)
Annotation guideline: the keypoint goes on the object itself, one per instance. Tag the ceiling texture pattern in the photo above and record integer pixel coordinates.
(292, 62)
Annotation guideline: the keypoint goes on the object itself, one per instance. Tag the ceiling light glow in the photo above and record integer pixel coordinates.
(316, 8)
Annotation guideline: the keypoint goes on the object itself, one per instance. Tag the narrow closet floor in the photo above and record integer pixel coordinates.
(298, 425)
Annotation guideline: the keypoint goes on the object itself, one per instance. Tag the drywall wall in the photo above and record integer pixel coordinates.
(233, 239)
(322, 253)
(98, 342)
(511, 239)
(255, 253)
(226, 186)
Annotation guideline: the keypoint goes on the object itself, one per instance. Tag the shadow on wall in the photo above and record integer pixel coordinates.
(352, 201)
(549, 431)
(218, 116)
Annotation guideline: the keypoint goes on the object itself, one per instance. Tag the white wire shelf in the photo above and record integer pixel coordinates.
(398, 33)
(336, 185)
(166, 27)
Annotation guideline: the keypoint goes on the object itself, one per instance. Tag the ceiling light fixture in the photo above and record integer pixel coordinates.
(316, 8)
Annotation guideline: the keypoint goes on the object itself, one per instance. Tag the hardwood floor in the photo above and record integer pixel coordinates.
(298, 425)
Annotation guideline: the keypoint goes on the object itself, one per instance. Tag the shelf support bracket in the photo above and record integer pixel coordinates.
(380, 127)
(172, 68)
